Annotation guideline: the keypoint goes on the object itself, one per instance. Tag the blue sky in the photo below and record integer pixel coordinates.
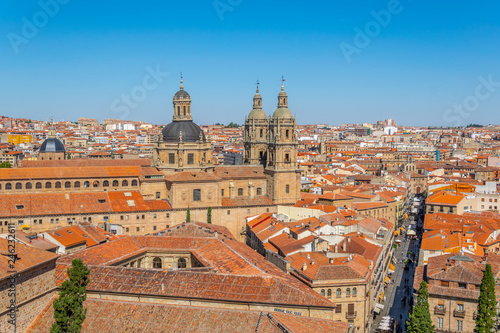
(413, 67)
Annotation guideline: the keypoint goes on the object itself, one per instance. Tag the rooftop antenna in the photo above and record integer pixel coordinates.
(182, 86)
(258, 85)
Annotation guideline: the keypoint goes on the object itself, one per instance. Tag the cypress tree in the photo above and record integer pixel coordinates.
(419, 320)
(69, 312)
(209, 215)
(188, 215)
(486, 312)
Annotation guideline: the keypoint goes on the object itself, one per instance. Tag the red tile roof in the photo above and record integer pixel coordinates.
(123, 316)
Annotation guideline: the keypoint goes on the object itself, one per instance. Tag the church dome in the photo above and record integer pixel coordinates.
(257, 114)
(282, 113)
(182, 94)
(52, 145)
(190, 132)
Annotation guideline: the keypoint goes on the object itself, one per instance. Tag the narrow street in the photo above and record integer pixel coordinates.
(399, 293)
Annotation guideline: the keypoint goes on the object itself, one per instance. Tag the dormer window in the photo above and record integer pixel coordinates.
(19, 207)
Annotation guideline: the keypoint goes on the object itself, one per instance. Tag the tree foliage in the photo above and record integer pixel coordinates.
(69, 312)
(486, 312)
(188, 215)
(419, 320)
(209, 215)
(5, 165)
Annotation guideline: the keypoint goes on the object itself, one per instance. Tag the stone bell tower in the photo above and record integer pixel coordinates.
(256, 133)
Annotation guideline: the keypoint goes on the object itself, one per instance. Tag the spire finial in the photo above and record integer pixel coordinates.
(257, 86)
(182, 86)
(282, 83)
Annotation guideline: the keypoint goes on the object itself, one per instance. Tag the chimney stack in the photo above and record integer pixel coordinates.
(304, 266)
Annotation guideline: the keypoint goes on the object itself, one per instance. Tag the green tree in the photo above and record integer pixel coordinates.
(5, 165)
(420, 320)
(486, 313)
(69, 312)
(68, 156)
(209, 215)
(188, 215)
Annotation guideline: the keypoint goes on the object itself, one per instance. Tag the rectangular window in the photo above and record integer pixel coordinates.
(143, 217)
(440, 322)
(338, 308)
(462, 285)
(460, 307)
(121, 217)
(20, 222)
(240, 192)
(154, 216)
(19, 206)
(445, 284)
(228, 212)
(137, 229)
(190, 158)
(168, 215)
(222, 192)
(259, 191)
(460, 325)
(287, 188)
(127, 229)
(154, 227)
(196, 194)
(171, 158)
(158, 195)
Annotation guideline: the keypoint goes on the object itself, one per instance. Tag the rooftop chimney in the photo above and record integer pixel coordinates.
(349, 239)
(304, 266)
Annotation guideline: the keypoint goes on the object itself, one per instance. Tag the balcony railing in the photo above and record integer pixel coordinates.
(439, 310)
(459, 313)
(351, 315)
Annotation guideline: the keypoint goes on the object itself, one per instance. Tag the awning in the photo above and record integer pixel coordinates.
(381, 296)
(376, 310)
(386, 280)
(391, 268)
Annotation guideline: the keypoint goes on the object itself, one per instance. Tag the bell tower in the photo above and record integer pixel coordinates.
(256, 133)
(282, 168)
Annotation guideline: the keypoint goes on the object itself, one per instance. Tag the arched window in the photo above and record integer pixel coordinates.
(134, 182)
(77, 184)
(339, 292)
(19, 186)
(329, 293)
(58, 185)
(322, 292)
(86, 184)
(67, 185)
(181, 263)
(38, 185)
(115, 183)
(8, 186)
(105, 183)
(354, 292)
(348, 292)
(95, 183)
(157, 262)
(48, 185)
(184, 110)
(28, 186)
(125, 183)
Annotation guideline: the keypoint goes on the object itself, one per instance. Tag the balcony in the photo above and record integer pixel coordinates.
(351, 315)
(459, 313)
(439, 310)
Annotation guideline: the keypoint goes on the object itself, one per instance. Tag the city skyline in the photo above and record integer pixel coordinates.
(342, 63)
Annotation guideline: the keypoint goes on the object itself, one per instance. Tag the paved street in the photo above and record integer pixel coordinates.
(402, 286)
